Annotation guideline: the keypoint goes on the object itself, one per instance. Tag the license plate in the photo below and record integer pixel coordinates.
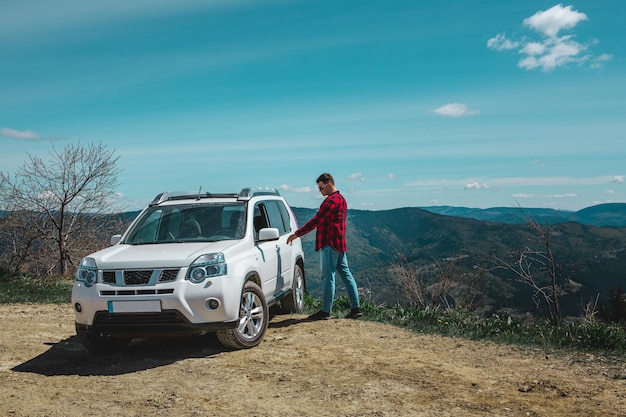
(147, 306)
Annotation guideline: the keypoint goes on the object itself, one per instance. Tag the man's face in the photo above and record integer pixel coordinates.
(323, 188)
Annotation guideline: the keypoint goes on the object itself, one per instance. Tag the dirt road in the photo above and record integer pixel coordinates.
(332, 368)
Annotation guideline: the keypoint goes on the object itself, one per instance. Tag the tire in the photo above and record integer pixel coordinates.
(294, 301)
(253, 320)
(100, 343)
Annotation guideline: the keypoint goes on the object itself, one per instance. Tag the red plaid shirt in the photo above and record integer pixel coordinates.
(330, 222)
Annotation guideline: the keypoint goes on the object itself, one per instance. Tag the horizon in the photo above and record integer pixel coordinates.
(406, 104)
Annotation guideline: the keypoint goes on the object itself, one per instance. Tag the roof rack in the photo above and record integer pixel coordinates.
(249, 192)
(186, 195)
(245, 194)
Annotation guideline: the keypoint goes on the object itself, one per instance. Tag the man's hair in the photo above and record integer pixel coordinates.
(326, 178)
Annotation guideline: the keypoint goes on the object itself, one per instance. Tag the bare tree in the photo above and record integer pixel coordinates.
(409, 282)
(61, 200)
(538, 268)
(16, 242)
(441, 284)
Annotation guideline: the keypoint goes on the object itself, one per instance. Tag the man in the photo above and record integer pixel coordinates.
(330, 241)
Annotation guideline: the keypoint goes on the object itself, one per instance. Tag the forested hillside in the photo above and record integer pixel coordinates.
(592, 258)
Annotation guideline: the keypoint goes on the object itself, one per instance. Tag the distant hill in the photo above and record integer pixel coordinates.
(378, 239)
(613, 214)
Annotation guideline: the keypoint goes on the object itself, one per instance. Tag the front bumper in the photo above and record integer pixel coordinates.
(176, 307)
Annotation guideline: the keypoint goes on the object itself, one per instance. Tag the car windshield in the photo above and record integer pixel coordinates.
(189, 223)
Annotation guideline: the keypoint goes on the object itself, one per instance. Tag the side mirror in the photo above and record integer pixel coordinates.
(115, 239)
(268, 233)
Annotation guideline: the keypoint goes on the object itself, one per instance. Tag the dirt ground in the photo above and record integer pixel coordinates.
(333, 368)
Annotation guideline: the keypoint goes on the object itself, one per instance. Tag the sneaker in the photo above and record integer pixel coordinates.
(320, 315)
(354, 313)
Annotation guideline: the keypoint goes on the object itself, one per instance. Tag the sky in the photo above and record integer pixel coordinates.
(406, 103)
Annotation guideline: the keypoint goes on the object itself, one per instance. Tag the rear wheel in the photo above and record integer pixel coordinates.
(100, 343)
(253, 320)
(294, 301)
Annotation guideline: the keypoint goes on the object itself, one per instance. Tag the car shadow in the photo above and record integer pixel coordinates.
(69, 357)
(286, 323)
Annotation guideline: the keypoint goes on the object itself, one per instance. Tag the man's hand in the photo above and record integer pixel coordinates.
(291, 238)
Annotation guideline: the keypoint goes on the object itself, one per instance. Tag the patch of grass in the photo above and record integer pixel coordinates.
(577, 335)
(33, 289)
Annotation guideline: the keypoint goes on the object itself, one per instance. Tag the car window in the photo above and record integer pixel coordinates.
(260, 218)
(189, 222)
(276, 217)
(285, 215)
(147, 228)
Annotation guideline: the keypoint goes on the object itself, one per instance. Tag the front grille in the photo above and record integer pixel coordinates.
(108, 277)
(112, 293)
(168, 275)
(137, 277)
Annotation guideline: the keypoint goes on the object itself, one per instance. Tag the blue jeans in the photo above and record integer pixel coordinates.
(332, 261)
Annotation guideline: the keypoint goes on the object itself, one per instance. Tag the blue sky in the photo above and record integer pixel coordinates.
(407, 103)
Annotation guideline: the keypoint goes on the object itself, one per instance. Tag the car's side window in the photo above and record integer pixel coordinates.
(260, 218)
(275, 216)
(284, 213)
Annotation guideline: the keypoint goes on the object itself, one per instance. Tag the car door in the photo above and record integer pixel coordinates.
(267, 253)
(279, 219)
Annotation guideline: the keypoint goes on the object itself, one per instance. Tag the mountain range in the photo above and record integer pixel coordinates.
(588, 246)
(611, 214)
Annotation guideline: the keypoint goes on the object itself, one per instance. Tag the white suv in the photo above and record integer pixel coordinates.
(189, 264)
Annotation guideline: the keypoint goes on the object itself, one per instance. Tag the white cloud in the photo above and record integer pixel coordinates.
(391, 176)
(618, 179)
(476, 186)
(530, 196)
(596, 62)
(501, 43)
(455, 110)
(551, 51)
(498, 182)
(533, 48)
(357, 176)
(19, 134)
(297, 190)
(552, 21)
(610, 192)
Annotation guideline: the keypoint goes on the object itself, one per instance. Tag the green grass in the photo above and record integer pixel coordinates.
(33, 289)
(578, 335)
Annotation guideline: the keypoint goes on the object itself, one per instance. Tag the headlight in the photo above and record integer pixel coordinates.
(206, 266)
(87, 272)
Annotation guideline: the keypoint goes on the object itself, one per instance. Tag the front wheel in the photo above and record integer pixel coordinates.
(253, 320)
(294, 301)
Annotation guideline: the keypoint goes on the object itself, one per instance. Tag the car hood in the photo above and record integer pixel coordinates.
(164, 255)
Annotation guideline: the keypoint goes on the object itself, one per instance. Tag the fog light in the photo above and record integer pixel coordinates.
(78, 308)
(212, 304)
